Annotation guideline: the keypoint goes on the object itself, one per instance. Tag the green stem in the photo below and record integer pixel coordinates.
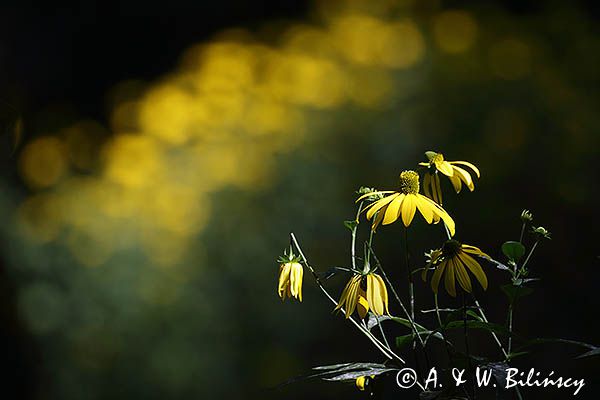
(530, 253)
(466, 334)
(522, 232)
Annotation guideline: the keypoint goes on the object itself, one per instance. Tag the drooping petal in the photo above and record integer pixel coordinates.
(284, 279)
(424, 164)
(374, 207)
(468, 164)
(427, 184)
(461, 275)
(449, 278)
(296, 283)
(465, 177)
(362, 307)
(437, 275)
(456, 182)
(374, 295)
(408, 208)
(424, 209)
(474, 250)
(439, 212)
(392, 210)
(353, 296)
(437, 189)
(344, 296)
(475, 268)
(444, 167)
(383, 292)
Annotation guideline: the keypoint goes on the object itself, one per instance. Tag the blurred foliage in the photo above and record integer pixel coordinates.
(144, 249)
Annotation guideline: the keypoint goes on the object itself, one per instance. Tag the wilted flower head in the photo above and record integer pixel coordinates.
(290, 277)
(541, 232)
(363, 293)
(374, 195)
(453, 260)
(456, 174)
(404, 204)
(526, 216)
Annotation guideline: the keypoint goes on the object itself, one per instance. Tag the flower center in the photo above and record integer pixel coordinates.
(451, 248)
(409, 182)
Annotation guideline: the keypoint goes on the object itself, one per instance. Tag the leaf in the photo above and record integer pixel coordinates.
(402, 341)
(471, 324)
(375, 320)
(590, 353)
(514, 292)
(513, 250)
(340, 371)
(351, 224)
(474, 315)
(537, 341)
(512, 356)
(350, 376)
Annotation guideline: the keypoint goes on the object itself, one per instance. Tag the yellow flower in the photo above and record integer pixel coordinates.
(454, 259)
(363, 293)
(457, 175)
(405, 203)
(290, 280)
(363, 381)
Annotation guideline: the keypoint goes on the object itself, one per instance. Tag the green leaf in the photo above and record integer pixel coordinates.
(514, 292)
(351, 224)
(474, 315)
(402, 341)
(590, 353)
(537, 341)
(513, 250)
(471, 324)
(516, 354)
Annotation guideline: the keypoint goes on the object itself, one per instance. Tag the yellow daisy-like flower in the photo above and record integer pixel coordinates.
(405, 203)
(453, 260)
(290, 280)
(456, 174)
(363, 293)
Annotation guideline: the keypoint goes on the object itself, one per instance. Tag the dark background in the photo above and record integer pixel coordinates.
(58, 64)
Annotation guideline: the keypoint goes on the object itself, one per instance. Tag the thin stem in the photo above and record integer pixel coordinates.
(530, 253)
(442, 329)
(411, 287)
(386, 351)
(522, 232)
(354, 229)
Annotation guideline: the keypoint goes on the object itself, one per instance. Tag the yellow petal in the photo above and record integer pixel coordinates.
(427, 184)
(449, 279)
(284, 278)
(424, 209)
(437, 189)
(475, 268)
(363, 305)
(444, 167)
(374, 207)
(468, 164)
(465, 177)
(474, 250)
(373, 295)
(439, 212)
(463, 278)
(383, 292)
(353, 296)
(437, 275)
(344, 295)
(408, 208)
(391, 212)
(424, 164)
(456, 182)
